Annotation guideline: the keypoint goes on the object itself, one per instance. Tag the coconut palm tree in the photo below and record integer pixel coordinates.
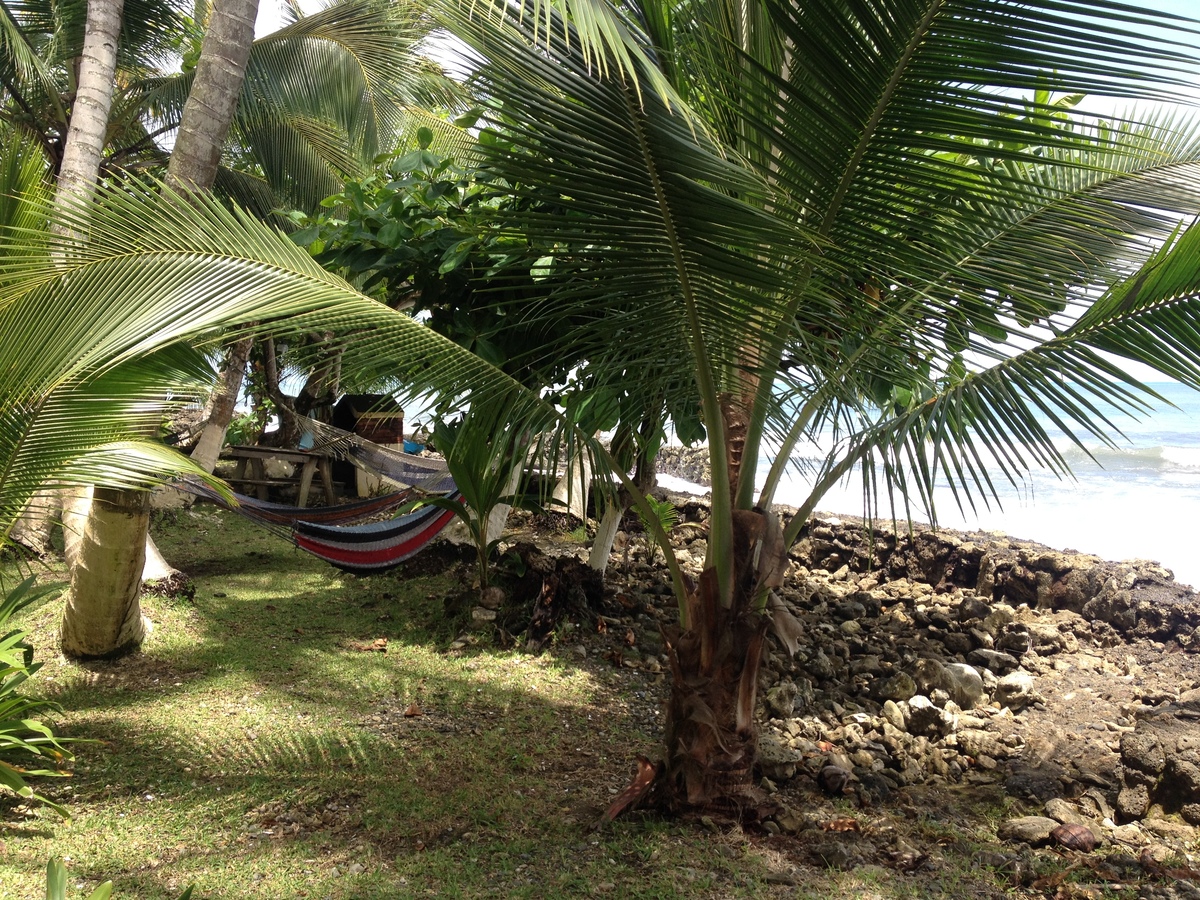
(116, 347)
(323, 95)
(845, 219)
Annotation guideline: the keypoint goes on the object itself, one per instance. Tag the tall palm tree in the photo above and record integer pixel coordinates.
(849, 222)
(323, 95)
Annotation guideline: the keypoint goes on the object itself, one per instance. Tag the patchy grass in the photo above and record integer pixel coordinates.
(297, 733)
(259, 746)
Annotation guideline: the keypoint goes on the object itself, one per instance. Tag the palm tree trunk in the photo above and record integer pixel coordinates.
(115, 550)
(88, 130)
(207, 117)
(213, 98)
(606, 535)
(710, 735)
(711, 738)
(103, 617)
(222, 405)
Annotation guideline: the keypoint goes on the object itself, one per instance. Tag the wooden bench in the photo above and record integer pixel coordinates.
(250, 471)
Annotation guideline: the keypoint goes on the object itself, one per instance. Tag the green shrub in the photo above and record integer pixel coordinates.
(27, 746)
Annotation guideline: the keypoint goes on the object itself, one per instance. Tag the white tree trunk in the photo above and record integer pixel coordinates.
(498, 517)
(606, 534)
(32, 530)
(571, 491)
(156, 567)
(88, 130)
(103, 617)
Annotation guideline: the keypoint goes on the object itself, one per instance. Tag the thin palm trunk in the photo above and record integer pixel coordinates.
(207, 117)
(103, 608)
(213, 98)
(86, 134)
(221, 406)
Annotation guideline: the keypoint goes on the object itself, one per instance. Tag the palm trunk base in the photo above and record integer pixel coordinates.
(711, 739)
(103, 618)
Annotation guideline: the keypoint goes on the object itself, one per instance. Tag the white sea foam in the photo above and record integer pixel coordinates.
(679, 486)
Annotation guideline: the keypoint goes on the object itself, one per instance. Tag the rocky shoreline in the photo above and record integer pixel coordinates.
(958, 657)
(933, 660)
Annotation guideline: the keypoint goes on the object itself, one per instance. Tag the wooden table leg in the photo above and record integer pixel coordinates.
(259, 474)
(326, 466)
(310, 467)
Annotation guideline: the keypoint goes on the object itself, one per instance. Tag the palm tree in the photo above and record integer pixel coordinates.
(116, 346)
(322, 97)
(849, 222)
(351, 70)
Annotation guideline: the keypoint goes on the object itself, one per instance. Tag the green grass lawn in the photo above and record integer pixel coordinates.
(259, 747)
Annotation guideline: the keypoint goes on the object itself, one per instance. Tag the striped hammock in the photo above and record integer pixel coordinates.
(365, 549)
(267, 513)
(326, 532)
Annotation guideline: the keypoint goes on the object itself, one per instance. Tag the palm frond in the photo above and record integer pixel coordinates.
(157, 272)
(24, 181)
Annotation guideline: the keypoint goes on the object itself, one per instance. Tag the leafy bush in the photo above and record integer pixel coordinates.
(24, 740)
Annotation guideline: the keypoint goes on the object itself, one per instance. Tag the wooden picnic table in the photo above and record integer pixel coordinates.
(250, 471)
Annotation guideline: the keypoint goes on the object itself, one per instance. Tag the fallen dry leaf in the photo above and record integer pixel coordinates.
(413, 710)
(1054, 879)
(841, 825)
(379, 645)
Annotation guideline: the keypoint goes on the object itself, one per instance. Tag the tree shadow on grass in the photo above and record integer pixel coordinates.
(199, 721)
(387, 787)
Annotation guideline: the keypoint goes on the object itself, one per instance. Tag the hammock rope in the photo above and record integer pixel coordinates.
(422, 472)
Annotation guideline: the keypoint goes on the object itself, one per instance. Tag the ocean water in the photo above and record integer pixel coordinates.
(1140, 501)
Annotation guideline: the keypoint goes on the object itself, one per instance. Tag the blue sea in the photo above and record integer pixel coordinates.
(1139, 501)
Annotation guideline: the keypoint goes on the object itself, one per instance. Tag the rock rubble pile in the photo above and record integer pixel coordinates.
(939, 657)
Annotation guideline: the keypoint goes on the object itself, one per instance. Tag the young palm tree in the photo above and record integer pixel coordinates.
(843, 219)
(93, 351)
